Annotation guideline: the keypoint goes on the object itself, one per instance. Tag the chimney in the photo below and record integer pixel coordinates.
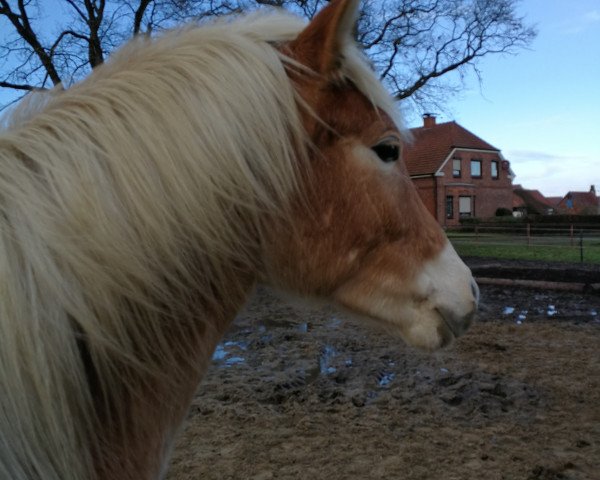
(593, 189)
(428, 120)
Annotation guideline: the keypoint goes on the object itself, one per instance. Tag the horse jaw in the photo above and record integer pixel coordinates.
(429, 311)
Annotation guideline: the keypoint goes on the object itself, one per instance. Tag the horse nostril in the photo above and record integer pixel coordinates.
(475, 291)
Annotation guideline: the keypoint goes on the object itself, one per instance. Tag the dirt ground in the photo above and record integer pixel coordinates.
(294, 394)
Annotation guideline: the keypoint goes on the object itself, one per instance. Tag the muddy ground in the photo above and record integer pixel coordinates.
(296, 394)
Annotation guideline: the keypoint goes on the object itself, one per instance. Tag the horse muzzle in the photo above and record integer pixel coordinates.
(453, 296)
(428, 311)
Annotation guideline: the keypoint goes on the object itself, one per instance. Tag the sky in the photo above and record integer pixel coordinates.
(541, 107)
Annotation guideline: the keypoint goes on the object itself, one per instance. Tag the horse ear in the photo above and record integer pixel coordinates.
(320, 45)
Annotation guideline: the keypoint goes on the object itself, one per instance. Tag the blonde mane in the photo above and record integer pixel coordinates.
(127, 202)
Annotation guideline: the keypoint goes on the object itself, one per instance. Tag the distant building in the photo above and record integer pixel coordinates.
(554, 201)
(457, 173)
(531, 202)
(580, 203)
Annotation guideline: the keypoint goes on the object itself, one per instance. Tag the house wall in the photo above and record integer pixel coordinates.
(487, 194)
(426, 188)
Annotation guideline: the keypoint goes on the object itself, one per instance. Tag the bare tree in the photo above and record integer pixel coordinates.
(33, 57)
(415, 45)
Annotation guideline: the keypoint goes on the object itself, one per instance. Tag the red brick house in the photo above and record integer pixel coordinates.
(457, 173)
(580, 203)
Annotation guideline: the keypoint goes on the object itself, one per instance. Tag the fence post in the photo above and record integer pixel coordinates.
(528, 234)
(581, 245)
(571, 235)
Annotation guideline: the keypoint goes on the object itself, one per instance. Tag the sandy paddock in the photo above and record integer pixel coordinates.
(294, 394)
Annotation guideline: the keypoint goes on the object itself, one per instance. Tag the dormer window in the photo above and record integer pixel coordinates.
(456, 167)
(475, 168)
(495, 169)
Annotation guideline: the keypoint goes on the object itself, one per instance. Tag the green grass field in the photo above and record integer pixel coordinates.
(547, 250)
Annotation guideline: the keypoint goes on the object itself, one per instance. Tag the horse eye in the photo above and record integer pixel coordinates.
(387, 152)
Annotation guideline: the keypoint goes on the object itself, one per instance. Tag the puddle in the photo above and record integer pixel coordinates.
(327, 355)
(220, 353)
(546, 310)
(227, 353)
(304, 327)
(520, 318)
(234, 361)
(334, 322)
(386, 378)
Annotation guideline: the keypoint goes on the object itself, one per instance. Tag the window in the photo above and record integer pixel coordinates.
(465, 207)
(456, 167)
(476, 168)
(495, 169)
(449, 206)
(569, 201)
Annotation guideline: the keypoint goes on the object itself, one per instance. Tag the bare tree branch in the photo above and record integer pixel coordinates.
(16, 86)
(420, 48)
(20, 22)
(139, 15)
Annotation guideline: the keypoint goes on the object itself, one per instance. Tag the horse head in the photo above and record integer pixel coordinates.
(360, 235)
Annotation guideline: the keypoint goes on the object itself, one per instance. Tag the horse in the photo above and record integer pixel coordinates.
(141, 207)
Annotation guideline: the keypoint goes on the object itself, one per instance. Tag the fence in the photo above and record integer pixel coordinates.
(561, 242)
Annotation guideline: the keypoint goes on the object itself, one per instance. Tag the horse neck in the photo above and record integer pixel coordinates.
(154, 404)
(143, 344)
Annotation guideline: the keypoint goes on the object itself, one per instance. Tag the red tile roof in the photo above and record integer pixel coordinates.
(431, 145)
(538, 196)
(554, 200)
(579, 202)
(534, 200)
